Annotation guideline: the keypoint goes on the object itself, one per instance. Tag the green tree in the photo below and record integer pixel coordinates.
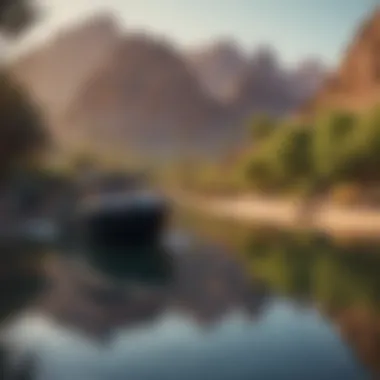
(332, 134)
(364, 149)
(259, 171)
(261, 127)
(16, 16)
(290, 154)
(22, 132)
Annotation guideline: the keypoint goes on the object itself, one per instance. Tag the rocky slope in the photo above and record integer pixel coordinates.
(219, 67)
(146, 97)
(356, 83)
(259, 82)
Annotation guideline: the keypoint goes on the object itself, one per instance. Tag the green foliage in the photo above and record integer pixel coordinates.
(302, 265)
(337, 148)
(322, 271)
(261, 127)
(333, 144)
(22, 132)
(290, 154)
(16, 16)
(259, 172)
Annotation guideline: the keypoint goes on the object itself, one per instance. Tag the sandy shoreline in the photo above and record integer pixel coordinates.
(324, 217)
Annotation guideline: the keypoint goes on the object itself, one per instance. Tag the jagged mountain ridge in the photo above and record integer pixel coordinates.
(219, 67)
(258, 82)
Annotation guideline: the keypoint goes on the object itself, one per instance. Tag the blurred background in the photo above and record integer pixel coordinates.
(257, 125)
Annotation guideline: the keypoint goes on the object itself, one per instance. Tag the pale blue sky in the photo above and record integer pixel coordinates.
(297, 28)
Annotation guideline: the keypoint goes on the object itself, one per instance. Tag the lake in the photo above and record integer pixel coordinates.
(244, 303)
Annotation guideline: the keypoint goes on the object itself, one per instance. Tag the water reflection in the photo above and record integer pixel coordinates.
(80, 297)
(207, 285)
(245, 304)
(20, 278)
(343, 280)
(339, 278)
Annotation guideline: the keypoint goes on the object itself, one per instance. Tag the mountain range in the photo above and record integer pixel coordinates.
(98, 83)
(257, 81)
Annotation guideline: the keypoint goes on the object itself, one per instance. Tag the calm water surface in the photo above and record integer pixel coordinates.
(245, 304)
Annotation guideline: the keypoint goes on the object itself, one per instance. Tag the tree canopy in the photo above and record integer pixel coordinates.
(16, 16)
(22, 130)
(337, 149)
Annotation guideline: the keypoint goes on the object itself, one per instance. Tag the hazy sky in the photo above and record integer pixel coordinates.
(297, 28)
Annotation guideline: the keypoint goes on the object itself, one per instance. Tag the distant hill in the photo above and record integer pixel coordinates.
(307, 78)
(259, 82)
(355, 85)
(146, 98)
(219, 67)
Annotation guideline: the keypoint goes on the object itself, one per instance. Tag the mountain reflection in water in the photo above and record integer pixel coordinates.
(249, 304)
(206, 286)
